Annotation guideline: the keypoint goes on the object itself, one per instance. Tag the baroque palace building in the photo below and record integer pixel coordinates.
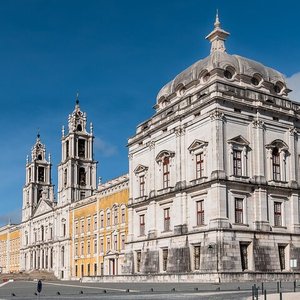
(212, 191)
(214, 174)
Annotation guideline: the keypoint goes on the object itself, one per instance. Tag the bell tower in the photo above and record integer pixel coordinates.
(38, 184)
(77, 170)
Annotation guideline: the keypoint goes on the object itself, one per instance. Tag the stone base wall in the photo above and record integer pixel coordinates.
(199, 277)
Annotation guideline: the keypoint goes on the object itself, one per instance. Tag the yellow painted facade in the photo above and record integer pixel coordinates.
(10, 249)
(98, 229)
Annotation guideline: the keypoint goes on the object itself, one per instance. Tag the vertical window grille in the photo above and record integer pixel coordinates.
(237, 163)
(277, 214)
(281, 250)
(165, 259)
(239, 210)
(199, 165)
(166, 219)
(142, 185)
(276, 164)
(197, 257)
(244, 256)
(142, 224)
(200, 212)
(138, 261)
(166, 172)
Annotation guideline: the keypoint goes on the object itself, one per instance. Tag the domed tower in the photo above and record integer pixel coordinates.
(38, 184)
(77, 170)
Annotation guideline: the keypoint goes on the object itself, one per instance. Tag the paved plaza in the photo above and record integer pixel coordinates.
(77, 290)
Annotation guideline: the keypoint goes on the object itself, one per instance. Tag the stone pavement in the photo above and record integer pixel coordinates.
(285, 296)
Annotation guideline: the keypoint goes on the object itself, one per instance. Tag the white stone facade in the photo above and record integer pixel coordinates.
(214, 174)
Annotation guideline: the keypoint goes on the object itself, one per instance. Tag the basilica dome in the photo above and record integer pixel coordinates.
(234, 67)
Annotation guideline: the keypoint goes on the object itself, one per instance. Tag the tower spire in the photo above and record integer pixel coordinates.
(218, 36)
(77, 99)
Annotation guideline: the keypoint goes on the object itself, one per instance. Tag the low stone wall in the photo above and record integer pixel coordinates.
(198, 277)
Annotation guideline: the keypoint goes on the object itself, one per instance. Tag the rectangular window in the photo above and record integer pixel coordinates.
(101, 221)
(108, 244)
(237, 163)
(200, 212)
(122, 242)
(199, 165)
(95, 269)
(166, 172)
(95, 246)
(197, 257)
(115, 242)
(82, 226)
(277, 214)
(95, 222)
(116, 216)
(165, 259)
(123, 215)
(239, 210)
(76, 249)
(281, 250)
(276, 164)
(244, 256)
(89, 248)
(142, 224)
(108, 219)
(88, 225)
(82, 249)
(138, 261)
(101, 245)
(166, 219)
(142, 185)
(76, 228)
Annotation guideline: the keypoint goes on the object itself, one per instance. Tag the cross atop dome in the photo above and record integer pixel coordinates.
(217, 37)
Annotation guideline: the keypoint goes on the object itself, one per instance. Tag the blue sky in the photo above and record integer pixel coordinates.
(117, 54)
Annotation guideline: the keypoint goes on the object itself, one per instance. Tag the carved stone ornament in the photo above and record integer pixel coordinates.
(217, 115)
(292, 130)
(151, 145)
(179, 131)
(257, 123)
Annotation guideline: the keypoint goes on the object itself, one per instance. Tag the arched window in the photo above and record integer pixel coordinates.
(81, 176)
(65, 177)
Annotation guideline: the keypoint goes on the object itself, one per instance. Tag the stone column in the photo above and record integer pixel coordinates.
(258, 151)
(217, 133)
(292, 134)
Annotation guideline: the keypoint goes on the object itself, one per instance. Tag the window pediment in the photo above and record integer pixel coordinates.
(197, 144)
(239, 140)
(164, 153)
(278, 144)
(140, 169)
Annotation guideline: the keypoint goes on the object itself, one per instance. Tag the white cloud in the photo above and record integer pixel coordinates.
(104, 147)
(293, 83)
